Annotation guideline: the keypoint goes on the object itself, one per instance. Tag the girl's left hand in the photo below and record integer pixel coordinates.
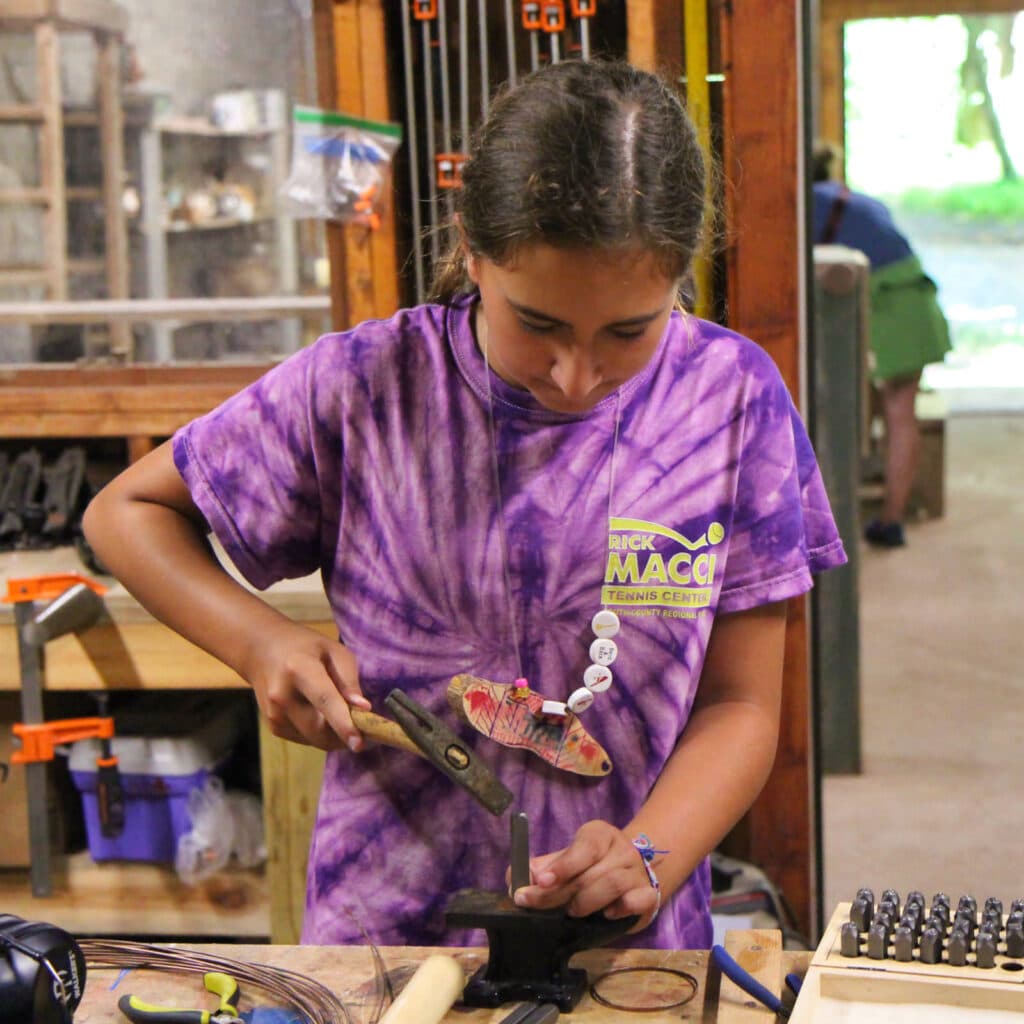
(600, 869)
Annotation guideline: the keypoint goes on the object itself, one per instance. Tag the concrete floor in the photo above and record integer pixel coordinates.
(938, 804)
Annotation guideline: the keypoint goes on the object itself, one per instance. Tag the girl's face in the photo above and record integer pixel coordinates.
(570, 325)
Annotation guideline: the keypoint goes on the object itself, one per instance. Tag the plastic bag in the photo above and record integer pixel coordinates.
(341, 167)
(224, 824)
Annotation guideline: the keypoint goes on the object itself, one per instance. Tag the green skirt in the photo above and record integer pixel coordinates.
(908, 328)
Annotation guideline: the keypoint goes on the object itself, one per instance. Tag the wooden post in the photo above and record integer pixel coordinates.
(51, 159)
(762, 155)
(108, 71)
(352, 62)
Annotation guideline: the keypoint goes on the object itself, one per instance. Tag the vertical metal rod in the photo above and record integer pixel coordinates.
(556, 49)
(463, 76)
(698, 103)
(510, 41)
(519, 858)
(30, 660)
(534, 51)
(585, 38)
(414, 169)
(428, 120)
(446, 101)
(485, 78)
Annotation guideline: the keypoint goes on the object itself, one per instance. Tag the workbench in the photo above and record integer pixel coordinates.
(349, 972)
(129, 650)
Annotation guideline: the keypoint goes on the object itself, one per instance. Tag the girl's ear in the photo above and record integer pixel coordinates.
(469, 261)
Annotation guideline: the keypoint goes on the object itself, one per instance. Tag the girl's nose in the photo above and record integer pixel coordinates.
(575, 374)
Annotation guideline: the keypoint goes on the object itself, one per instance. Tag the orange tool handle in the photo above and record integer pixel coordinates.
(424, 10)
(532, 20)
(38, 588)
(583, 8)
(38, 741)
(554, 16)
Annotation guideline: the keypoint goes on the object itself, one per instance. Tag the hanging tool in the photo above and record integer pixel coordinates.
(534, 24)
(76, 608)
(510, 42)
(583, 11)
(553, 23)
(449, 169)
(222, 985)
(485, 49)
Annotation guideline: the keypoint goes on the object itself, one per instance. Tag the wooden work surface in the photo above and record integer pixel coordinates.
(349, 972)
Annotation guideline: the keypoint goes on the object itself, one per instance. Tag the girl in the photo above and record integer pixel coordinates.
(551, 450)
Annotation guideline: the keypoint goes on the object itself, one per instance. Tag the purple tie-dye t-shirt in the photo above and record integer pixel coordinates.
(367, 456)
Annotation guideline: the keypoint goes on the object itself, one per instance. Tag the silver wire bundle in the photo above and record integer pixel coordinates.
(287, 988)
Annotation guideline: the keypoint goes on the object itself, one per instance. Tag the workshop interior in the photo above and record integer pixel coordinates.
(193, 193)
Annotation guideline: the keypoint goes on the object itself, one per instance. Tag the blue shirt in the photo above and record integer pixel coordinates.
(866, 224)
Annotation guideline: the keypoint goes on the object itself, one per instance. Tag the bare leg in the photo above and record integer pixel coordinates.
(903, 444)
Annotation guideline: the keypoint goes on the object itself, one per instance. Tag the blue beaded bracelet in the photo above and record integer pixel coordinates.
(645, 848)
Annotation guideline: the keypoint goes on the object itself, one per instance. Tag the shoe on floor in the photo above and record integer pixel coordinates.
(884, 535)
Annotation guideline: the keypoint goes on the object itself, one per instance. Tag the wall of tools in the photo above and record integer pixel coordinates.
(455, 55)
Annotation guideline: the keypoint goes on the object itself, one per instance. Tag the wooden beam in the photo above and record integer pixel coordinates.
(762, 153)
(81, 14)
(654, 36)
(831, 85)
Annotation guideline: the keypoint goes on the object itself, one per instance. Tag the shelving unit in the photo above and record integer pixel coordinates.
(107, 22)
(161, 232)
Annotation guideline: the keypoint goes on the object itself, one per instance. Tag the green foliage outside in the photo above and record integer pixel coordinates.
(1001, 201)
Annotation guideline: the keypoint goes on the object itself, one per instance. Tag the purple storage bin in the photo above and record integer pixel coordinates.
(155, 816)
(157, 775)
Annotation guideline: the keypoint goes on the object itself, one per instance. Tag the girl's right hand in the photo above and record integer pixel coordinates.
(304, 683)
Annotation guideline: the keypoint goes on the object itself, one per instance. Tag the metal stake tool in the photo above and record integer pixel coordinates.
(485, 81)
(414, 160)
(510, 42)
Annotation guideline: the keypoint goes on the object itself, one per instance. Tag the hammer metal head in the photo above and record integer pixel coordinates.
(444, 749)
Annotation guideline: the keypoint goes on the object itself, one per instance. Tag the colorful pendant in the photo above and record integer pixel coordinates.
(515, 716)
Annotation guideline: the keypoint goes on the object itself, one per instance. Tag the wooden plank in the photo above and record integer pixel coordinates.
(830, 110)
(28, 196)
(762, 149)
(654, 36)
(20, 113)
(123, 898)
(51, 156)
(98, 375)
(291, 776)
(88, 14)
(758, 952)
(142, 310)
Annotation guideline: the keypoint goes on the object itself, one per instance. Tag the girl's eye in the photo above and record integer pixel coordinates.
(537, 328)
(629, 335)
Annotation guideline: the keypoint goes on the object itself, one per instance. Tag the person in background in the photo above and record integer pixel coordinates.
(908, 328)
(550, 454)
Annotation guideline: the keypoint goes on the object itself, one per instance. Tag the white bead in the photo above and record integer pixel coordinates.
(580, 700)
(553, 707)
(605, 624)
(597, 678)
(603, 652)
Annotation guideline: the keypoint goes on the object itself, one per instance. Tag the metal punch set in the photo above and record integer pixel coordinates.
(935, 933)
(553, 29)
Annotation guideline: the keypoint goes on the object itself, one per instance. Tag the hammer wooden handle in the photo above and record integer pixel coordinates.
(382, 730)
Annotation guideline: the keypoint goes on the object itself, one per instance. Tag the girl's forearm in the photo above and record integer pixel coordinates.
(688, 814)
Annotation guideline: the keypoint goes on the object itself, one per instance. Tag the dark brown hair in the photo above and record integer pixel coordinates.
(597, 155)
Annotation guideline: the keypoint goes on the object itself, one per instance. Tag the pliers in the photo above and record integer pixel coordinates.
(222, 985)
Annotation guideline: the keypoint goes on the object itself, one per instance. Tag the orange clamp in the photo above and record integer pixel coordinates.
(38, 741)
(532, 20)
(449, 169)
(554, 16)
(583, 8)
(49, 585)
(424, 10)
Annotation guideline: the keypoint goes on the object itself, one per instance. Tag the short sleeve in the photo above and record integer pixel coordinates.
(782, 530)
(253, 467)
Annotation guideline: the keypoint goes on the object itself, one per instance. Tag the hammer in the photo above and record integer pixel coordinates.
(418, 731)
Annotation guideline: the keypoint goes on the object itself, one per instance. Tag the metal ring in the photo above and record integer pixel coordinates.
(604, 1001)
